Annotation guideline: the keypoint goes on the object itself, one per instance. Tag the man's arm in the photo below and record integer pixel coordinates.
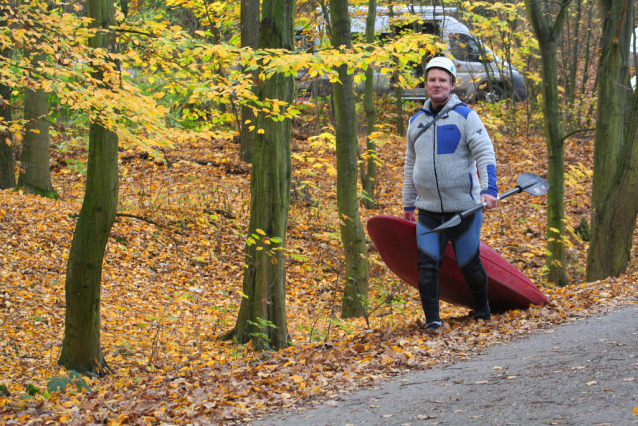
(482, 151)
(409, 191)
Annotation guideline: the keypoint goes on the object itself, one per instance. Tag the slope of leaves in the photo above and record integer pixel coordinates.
(172, 283)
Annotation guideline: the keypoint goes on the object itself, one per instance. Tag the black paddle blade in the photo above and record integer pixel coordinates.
(532, 184)
(449, 224)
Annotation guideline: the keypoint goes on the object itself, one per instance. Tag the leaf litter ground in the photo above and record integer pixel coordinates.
(172, 283)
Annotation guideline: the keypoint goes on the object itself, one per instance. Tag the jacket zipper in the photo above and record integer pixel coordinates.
(436, 176)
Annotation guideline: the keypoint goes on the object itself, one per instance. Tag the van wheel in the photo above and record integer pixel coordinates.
(496, 95)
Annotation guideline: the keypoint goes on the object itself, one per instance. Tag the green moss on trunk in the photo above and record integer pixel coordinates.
(7, 164)
(352, 234)
(249, 27)
(368, 163)
(614, 93)
(35, 174)
(81, 350)
(615, 189)
(262, 314)
(547, 33)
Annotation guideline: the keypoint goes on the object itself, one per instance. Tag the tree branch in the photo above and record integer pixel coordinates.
(75, 216)
(119, 30)
(576, 131)
(140, 218)
(560, 19)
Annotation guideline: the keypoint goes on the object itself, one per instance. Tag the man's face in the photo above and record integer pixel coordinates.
(438, 86)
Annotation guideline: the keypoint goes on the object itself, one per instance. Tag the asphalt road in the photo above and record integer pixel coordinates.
(583, 373)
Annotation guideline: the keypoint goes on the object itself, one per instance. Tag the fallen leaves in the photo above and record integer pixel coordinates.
(425, 417)
(168, 291)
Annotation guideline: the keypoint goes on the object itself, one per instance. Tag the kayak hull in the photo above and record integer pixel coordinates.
(508, 288)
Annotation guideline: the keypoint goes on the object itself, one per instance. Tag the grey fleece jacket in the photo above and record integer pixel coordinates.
(441, 164)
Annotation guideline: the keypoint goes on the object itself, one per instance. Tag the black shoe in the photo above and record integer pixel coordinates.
(483, 314)
(433, 326)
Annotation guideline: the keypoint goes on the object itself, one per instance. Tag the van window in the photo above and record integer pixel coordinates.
(464, 48)
(418, 27)
(431, 28)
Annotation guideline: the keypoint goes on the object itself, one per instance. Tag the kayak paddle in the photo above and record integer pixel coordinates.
(527, 182)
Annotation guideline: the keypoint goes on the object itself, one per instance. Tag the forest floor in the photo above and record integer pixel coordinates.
(172, 276)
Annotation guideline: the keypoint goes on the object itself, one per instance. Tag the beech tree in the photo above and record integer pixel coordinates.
(352, 234)
(262, 314)
(547, 31)
(368, 161)
(249, 28)
(35, 175)
(81, 350)
(615, 185)
(398, 90)
(7, 164)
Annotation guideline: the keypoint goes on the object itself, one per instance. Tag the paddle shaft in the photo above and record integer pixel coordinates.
(482, 205)
(512, 191)
(526, 182)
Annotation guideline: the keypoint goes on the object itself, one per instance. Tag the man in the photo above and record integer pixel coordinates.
(450, 167)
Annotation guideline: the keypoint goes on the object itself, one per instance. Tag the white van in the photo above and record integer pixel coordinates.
(476, 64)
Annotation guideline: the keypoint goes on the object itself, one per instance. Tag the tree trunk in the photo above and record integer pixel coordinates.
(613, 92)
(368, 163)
(249, 23)
(81, 349)
(547, 34)
(398, 90)
(262, 314)
(583, 83)
(575, 42)
(613, 226)
(615, 191)
(35, 169)
(352, 235)
(7, 164)
(398, 102)
(556, 172)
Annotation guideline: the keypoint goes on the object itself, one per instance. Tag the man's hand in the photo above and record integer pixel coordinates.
(491, 201)
(409, 216)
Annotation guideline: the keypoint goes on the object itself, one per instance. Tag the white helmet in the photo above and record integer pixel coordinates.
(443, 63)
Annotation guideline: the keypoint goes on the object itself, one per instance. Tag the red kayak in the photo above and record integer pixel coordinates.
(508, 288)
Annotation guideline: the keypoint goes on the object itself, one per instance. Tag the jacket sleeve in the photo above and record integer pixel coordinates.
(409, 191)
(482, 151)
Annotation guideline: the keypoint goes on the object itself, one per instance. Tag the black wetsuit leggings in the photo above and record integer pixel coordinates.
(465, 239)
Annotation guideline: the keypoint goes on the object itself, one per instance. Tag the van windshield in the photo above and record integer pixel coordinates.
(464, 48)
(468, 48)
